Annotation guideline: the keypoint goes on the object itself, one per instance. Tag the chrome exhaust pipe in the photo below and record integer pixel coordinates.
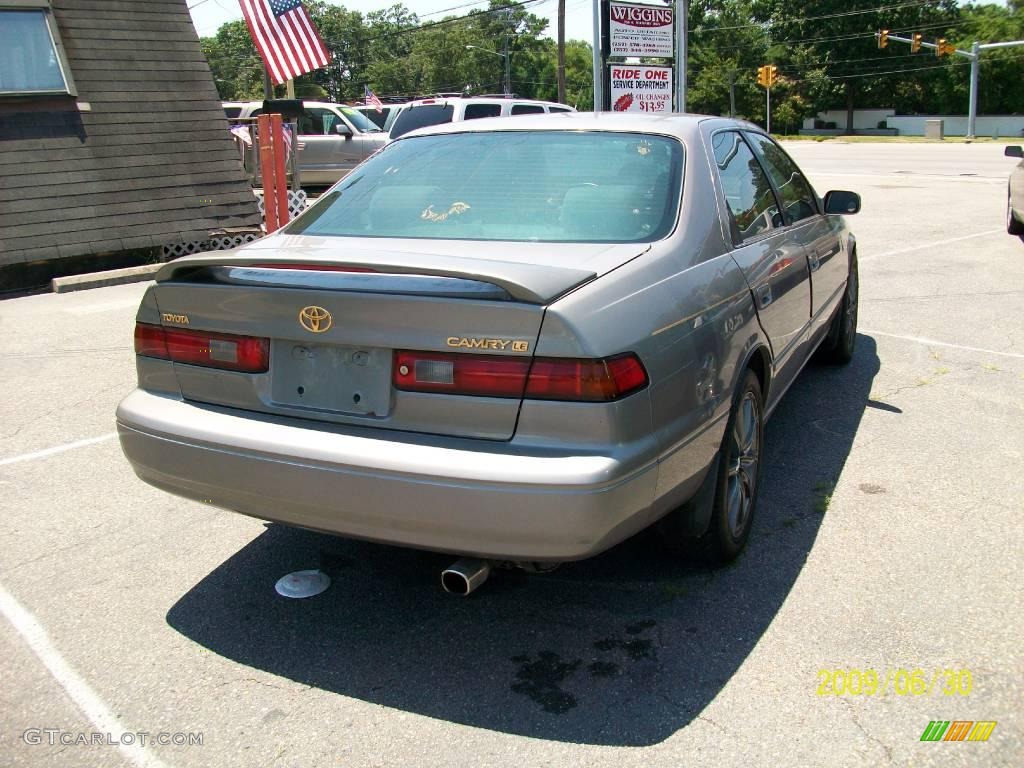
(464, 576)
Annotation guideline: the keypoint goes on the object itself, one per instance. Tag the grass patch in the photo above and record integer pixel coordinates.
(823, 497)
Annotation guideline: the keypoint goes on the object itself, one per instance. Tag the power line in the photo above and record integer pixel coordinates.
(801, 20)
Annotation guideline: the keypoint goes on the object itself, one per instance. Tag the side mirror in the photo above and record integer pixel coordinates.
(1014, 151)
(343, 130)
(843, 203)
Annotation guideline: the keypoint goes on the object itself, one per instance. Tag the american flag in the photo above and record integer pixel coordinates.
(369, 97)
(286, 37)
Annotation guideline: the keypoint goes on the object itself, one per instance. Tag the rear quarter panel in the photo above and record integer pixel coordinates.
(685, 308)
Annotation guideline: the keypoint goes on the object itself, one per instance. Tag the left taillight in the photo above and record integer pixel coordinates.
(247, 354)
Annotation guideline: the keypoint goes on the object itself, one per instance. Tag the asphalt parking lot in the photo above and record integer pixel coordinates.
(887, 538)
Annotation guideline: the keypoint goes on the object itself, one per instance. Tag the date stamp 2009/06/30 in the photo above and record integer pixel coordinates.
(894, 681)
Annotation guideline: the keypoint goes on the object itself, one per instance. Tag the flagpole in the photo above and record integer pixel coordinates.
(268, 88)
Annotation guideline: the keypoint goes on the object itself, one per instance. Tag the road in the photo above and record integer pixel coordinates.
(887, 538)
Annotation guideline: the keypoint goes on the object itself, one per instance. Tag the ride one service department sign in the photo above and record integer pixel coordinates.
(641, 88)
(640, 30)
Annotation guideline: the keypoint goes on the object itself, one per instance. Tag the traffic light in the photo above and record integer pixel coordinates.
(883, 38)
(767, 75)
(942, 48)
(915, 42)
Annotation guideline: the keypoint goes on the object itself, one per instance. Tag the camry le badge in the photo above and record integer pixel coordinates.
(315, 319)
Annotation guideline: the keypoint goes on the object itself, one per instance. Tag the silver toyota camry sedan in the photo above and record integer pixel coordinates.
(518, 340)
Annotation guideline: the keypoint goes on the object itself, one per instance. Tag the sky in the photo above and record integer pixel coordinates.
(208, 15)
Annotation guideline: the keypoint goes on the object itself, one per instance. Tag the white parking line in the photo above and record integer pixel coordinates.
(91, 705)
(932, 244)
(56, 449)
(934, 343)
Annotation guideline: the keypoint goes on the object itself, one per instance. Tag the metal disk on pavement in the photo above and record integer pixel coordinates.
(302, 584)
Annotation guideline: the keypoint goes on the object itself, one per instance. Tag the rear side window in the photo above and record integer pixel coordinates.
(527, 109)
(232, 112)
(559, 109)
(798, 199)
(748, 192)
(317, 122)
(419, 117)
(474, 111)
(522, 186)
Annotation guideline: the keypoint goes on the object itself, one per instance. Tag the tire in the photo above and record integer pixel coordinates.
(838, 346)
(1013, 226)
(734, 489)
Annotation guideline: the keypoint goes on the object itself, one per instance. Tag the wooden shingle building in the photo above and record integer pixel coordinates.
(112, 136)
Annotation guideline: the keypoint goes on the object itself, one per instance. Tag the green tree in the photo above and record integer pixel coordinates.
(837, 39)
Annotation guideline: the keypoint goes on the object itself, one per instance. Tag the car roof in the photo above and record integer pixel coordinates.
(683, 126)
(483, 99)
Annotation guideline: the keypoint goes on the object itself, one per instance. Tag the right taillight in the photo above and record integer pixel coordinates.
(570, 379)
(587, 380)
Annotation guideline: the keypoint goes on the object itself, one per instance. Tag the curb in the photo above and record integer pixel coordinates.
(102, 279)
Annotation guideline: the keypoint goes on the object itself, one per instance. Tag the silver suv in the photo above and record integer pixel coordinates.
(333, 139)
(452, 109)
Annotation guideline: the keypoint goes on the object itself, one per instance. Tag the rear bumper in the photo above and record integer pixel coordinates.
(489, 500)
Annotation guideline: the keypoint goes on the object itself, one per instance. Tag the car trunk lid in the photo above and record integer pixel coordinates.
(334, 326)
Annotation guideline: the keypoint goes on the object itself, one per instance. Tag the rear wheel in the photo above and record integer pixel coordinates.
(1013, 226)
(739, 474)
(734, 492)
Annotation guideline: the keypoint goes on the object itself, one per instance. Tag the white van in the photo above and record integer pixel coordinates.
(452, 109)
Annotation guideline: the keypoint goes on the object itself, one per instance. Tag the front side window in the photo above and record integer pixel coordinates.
(524, 186)
(798, 199)
(527, 109)
(29, 57)
(362, 123)
(748, 192)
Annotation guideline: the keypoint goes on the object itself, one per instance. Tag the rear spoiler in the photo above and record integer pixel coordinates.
(443, 276)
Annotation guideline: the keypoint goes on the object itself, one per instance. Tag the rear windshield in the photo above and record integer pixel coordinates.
(418, 117)
(525, 186)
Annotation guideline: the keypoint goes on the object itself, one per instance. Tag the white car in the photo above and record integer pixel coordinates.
(452, 109)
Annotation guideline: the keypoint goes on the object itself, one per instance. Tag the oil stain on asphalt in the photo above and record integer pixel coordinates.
(541, 678)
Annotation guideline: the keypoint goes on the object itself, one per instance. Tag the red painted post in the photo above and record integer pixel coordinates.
(267, 168)
(280, 176)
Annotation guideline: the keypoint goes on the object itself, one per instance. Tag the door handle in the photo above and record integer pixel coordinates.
(764, 295)
(813, 261)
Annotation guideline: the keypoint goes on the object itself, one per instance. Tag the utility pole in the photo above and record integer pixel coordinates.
(598, 65)
(732, 93)
(942, 48)
(561, 51)
(508, 63)
(682, 9)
